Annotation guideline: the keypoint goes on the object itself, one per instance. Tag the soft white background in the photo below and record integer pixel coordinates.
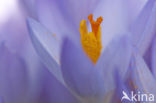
(7, 8)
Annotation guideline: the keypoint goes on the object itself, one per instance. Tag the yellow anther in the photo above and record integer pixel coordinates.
(91, 41)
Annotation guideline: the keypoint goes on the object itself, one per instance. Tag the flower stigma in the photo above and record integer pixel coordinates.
(91, 41)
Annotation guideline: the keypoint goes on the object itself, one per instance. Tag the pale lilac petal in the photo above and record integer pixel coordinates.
(27, 7)
(64, 15)
(79, 10)
(1, 100)
(53, 16)
(47, 46)
(14, 33)
(153, 57)
(116, 55)
(142, 77)
(114, 19)
(140, 23)
(13, 77)
(120, 88)
(148, 58)
(50, 90)
(143, 29)
(79, 73)
(133, 8)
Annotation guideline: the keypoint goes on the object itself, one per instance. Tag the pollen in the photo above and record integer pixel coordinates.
(91, 41)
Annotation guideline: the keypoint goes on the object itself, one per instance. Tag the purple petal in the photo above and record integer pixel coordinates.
(27, 7)
(47, 46)
(50, 90)
(148, 56)
(116, 55)
(14, 33)
(1, 100)
(114, 19)
(143, 29)
(142, 77)
(56, 14)
(133, 8)
(13, 77)
(79, 9)
(153, 57)
(51, 15)
(120, 88)
(79, 73)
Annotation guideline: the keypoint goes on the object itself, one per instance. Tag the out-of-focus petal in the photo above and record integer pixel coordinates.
(79, 9)
(50, 90)
(133, 8)
(153, 57)
(148, 56)
(54, 17)
(13, 77)
(79, 73)
(108, 97)
(143, 29)
(64, 14)
(142, 78)
(120, 88)
(47, 46)
(114, 19)
(1, 100)
(14, 33)
(140, 23)
(27, 7)
(116, 55)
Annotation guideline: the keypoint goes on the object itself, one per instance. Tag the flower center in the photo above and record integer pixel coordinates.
(91, 41)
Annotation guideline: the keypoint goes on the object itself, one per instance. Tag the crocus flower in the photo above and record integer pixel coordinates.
(88, 82)
(90, 77)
